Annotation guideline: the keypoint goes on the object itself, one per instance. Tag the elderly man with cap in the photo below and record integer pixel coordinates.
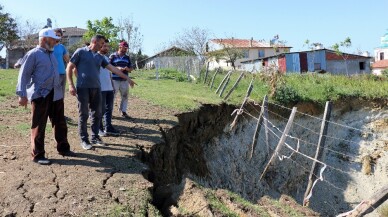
(39, 83)
(121, 60)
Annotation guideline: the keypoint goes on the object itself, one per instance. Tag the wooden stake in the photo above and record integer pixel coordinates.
(222, 82)
(214, 77)
(258, 125)
(265, 121)
(369, 205)
(281, 141)
(234, 85)
(206, 73)
(250, 87)
(226, 84)
(319, 152)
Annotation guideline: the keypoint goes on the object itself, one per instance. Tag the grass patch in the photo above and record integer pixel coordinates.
(238, 199)
(217, 205)
(23, 128)
(8, 81)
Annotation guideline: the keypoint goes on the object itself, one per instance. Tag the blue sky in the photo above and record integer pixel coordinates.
(327, 22)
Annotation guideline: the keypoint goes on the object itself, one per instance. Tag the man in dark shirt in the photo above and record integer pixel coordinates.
(121, 60)
(39, 83)
(87, 62)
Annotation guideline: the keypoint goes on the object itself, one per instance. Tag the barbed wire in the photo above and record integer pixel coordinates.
(332, 122)
(287, 145)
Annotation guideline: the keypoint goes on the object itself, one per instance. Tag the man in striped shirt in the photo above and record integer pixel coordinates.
(121, 60)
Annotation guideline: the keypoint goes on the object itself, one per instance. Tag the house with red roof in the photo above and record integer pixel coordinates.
(245, 49)
(381, 56)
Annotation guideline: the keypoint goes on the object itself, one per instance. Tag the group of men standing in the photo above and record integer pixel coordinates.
(42, 79)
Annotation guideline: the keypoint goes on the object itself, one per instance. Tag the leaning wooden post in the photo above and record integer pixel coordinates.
(250, 87)
(265, 121)
(318, 154)
(206, 73)
(222, 82)
(234, 85)
(213, 78)
(281, 141)
(369, 205)
(226, 84)
(258, 125)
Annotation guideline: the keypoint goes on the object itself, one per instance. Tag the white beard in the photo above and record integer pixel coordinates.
(48, 47)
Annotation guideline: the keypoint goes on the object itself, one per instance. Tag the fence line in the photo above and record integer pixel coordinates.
(332, 122)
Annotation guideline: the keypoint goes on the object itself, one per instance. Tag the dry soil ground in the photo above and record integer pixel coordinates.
(95, 182)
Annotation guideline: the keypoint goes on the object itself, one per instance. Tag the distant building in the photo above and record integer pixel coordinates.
(71, 36)
(381, 56)
(322, 60)
(250, 49)
(151, 62)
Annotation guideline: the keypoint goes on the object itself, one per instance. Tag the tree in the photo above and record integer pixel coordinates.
(130, 33)
(8, 29)
(103, 27)
(343, 44)
(193, 40)
(27, 33)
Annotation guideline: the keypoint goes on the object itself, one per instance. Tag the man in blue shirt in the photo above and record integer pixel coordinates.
(121, 60)
(39, 83)
(87, 61)
(62, 57)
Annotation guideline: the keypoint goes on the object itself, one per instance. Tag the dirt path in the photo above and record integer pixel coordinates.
(105, 180)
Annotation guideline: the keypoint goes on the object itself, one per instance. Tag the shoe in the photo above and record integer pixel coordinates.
(125, 115)
(68, 154)
(42, 161)
(97, 141)
(112, 132)
(86, 145)
(102, 133)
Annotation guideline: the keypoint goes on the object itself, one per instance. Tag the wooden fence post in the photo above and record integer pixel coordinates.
(206, 73)
(319, 152)
(367, 206)
(234, 85)
(258, 125)
(281, 141)
(213, 78)
(250, 87)
(222, 82)
(265, 121)
(226, 84)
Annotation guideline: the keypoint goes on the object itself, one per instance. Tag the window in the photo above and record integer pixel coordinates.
(246, 53)
(362, 65)
(381, 55)
(317, 66)
(261, 53)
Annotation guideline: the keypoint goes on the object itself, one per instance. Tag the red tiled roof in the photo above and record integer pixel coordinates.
(380, 64)
(242, 43)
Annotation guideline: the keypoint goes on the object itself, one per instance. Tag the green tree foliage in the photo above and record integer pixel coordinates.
(8, 29)
(103, 27)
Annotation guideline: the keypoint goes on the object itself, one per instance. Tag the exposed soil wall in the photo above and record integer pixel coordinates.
(204, 148)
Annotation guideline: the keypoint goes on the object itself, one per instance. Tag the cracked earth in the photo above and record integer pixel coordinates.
(94, 182)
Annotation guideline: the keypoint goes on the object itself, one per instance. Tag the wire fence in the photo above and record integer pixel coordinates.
(190, 65)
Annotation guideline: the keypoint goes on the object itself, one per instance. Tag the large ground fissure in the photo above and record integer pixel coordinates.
(205, 149)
